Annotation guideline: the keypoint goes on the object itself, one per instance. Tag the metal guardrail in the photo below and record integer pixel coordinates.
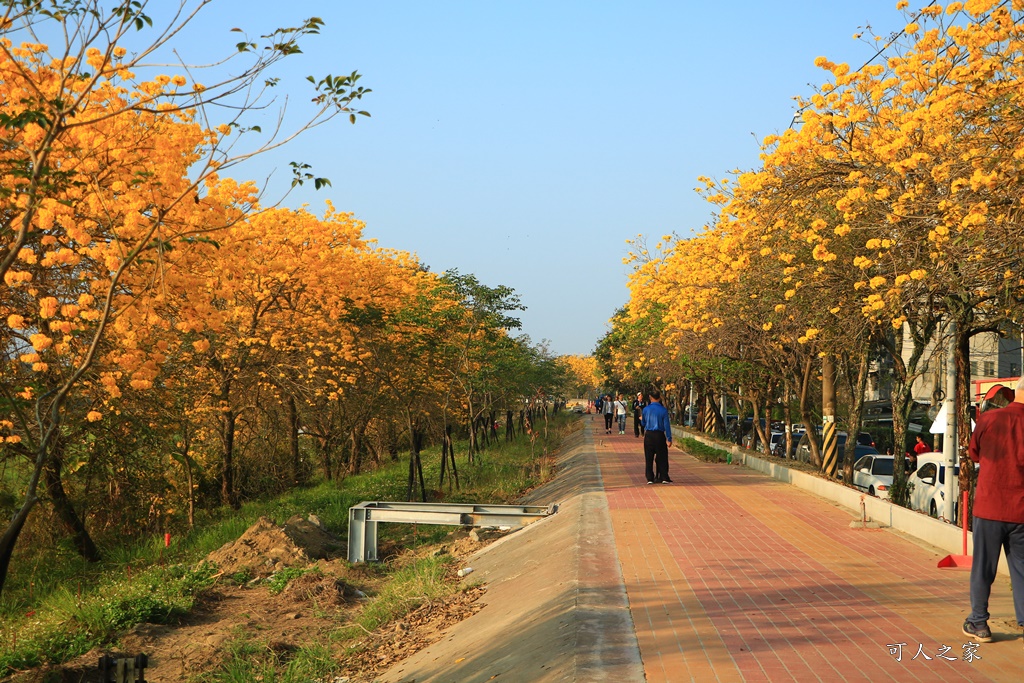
(364, 517)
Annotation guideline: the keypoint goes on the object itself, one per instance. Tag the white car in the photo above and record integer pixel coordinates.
(873, 473)
(929, 480)
(777, 441)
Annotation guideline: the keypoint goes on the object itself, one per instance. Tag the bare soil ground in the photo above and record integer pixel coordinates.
(306, 611)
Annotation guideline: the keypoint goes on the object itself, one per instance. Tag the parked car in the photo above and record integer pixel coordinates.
(802, 451)
(873, 473)
(928, 482)
(865, 439)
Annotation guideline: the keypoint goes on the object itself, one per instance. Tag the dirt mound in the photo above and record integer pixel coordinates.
(266, 547)
(321, 590)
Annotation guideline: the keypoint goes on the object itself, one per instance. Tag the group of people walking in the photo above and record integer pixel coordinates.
(615, 412)
(650, 420)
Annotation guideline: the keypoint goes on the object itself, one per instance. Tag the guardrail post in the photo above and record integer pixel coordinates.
(362, 536)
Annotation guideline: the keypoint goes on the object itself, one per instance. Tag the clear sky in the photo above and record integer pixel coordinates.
(525, 141)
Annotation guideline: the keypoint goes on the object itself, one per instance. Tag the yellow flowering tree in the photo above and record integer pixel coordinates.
(107, 179)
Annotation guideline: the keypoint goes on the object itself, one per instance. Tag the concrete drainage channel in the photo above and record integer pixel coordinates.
(555, 606)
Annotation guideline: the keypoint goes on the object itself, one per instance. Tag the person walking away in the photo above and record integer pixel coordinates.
(620, 413)
(609, 411)
(657, 440)
(997, 444)
(638, 408)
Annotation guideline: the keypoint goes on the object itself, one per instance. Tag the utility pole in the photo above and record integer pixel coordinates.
(949, 439)
(829, 451)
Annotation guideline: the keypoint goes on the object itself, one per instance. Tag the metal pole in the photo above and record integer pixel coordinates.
(949, 440)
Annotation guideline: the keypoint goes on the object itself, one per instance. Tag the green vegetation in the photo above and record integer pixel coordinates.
(250, 660)
(407, 589)
(68, 624)
(280, 580)
(705, 452)
(65, 606)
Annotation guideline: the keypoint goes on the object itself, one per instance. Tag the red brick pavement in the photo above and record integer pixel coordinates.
(733, 576)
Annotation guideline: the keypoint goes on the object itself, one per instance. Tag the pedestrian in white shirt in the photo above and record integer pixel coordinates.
(620, 413)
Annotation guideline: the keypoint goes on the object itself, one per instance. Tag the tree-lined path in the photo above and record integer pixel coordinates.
(733, 576)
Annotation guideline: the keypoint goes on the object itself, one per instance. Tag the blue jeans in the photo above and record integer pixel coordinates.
(989, 538)
(622, 422)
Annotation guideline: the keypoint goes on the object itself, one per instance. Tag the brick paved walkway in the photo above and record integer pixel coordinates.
(733, 576)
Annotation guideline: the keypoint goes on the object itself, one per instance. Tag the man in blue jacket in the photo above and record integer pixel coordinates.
(657, 440)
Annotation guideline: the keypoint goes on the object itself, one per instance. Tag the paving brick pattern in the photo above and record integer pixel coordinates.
(732, 576)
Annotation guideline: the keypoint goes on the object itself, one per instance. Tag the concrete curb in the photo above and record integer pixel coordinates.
(914, 524)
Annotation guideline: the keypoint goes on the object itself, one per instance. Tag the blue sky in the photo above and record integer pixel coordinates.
(526, 141)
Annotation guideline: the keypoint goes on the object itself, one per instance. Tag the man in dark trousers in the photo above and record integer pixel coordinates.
(657, 440)
(998, 445)
(638, 408)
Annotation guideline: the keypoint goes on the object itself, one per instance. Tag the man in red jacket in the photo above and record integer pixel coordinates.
(998, 445)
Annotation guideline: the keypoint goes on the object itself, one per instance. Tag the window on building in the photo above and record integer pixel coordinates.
(974, 367)
(990, 368)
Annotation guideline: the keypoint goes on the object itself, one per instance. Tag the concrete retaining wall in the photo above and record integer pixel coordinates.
(922, 527)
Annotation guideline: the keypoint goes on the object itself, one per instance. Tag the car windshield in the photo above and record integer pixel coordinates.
(882, 467)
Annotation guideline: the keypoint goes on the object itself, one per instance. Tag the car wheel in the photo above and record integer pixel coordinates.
(871, 490)
(933, 511)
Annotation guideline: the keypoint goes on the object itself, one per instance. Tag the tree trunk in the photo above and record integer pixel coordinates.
(787, 416)
(412, 474)
(473, 445)
(228, 495)
(415, 466)
(293, 439)
(418, 439)
(325, 456)
(805, 412)
(444, 456)
(902, 404)
(759, 431)
(966, 478)
(355, 456)
(717, 417)
(10, 538)
(451, 454)
(189, 479)
(69, 519)
(856, 414)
